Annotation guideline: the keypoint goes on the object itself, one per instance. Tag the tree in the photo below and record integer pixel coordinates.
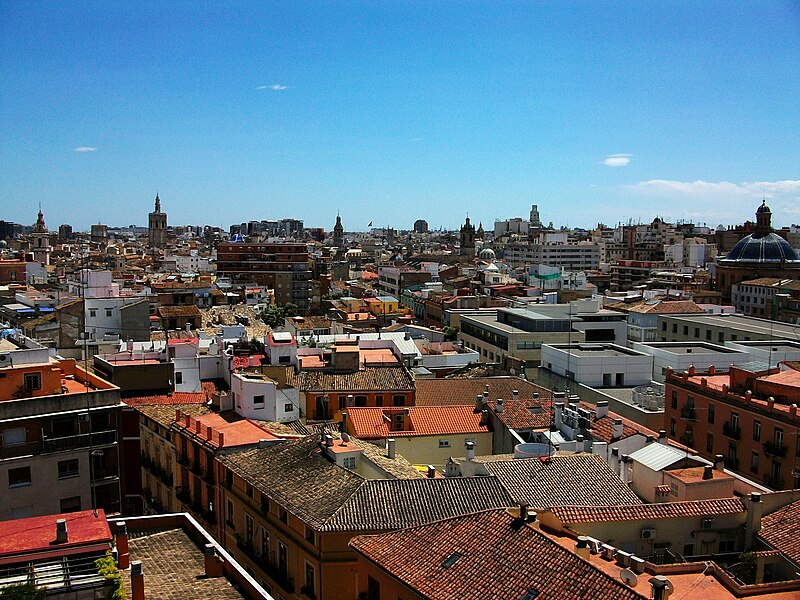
(290, 309)
(22, 591)
(450, 333)
(273, 316)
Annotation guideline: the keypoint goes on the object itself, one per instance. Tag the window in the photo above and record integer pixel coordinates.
(710, 443)
(229, 515)
(721, 337)
(379, 400)
(674, 328)
(33, 381)
(349, 463)
(673, 426)
(711, 411)
(19, 477)
(361, 400)
(663, 326)
(674, 399)
(92, 312)
(754, 462)
(109, 312)
(756, 430)
(288, 407)
(735, 421)
(14, 437)
(283, 559)
(708, 335)
(71, 504)
(727, 546)
(248, 489)
(373, 588)
(444, 443)
(68, 468)
(265, 543)
(178, 377)
(258, 401)
(398, 400)
(309, 586)
(310, 534)
(778, 438)
(686, 330)
(283, 515)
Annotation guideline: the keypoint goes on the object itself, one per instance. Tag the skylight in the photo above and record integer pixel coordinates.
(451, 560)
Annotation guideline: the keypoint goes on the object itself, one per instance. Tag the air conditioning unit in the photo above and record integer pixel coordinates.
(648, 534)
(707, 523)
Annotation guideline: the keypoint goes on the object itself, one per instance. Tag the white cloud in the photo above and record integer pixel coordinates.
(719, 201)
(617, 160)
(84, 149)
(275, 87)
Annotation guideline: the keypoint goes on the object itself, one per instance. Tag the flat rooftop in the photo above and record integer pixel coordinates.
(751, 325)
(692, 348)
(597, 350)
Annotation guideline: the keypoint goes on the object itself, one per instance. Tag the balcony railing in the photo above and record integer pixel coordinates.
(731, 431)
(775, 483)
(689, 413)
(27, 449)
(773, 449)
(279, 575)
(248, 548)
(732, 463)
(82, 440)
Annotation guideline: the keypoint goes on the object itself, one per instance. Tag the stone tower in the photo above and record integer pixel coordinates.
(467, 239)
(157, 226)
(40, 240)
(338, 232)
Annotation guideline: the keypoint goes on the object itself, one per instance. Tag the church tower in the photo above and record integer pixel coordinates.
(40, 239)
(157, 226)
(338, 232)
(467, 239)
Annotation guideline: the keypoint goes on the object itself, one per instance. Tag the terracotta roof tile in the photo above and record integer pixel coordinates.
(780, 530)
(442, 561)
(438, 392)
(366, 379)
(659, 510)
(375, 423)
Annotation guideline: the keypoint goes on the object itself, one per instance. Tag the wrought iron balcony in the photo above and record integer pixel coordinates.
(773, 449)
(688, 413)
(731, 431)
(82, 440)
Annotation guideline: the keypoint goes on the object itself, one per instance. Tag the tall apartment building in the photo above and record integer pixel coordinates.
(58, 432)
(283, 267)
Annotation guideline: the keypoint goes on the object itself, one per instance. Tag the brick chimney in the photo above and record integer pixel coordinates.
(137, 580)
(431, 471)
(618, 429)
(391, 448)
(708, 472)
(755, 509)
(213, 563)
(582, 547)
(470, 451)
(478, 403)
(121, 541)
(498, 407)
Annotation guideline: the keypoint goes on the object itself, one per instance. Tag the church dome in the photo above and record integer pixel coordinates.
(487, 254)
(762, 248)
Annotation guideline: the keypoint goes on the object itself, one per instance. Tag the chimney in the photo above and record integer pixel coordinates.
(431, 472)
(498, 407)
(221, 439)
(754, 511)
(649, 440)
(578, 443)
(344, 421)
(691, 370)
(662, 437)
(391, 447)
(213, 563)
(328, 440)
(350, 400)
(793, 411)
(478, 403)
(61, 531)
(121, 541)
(601, 410)
(712, 369)
(618, 429)
(625, 469)
(558, 409)
(662, 587)
(137, 580)
(719, 462)
(523, 511)
(470, 451)
(515, 394)
(708, 472)
(582, 547)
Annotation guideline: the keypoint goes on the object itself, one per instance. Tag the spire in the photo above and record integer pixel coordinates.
(158, 203)
(40, 227)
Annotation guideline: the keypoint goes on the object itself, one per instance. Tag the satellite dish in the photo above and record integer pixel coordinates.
(629, 577)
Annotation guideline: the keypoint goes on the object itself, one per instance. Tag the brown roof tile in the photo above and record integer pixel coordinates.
(637, 512)
(368, 378)
(439, 392)
(487, 555)
(780, 530)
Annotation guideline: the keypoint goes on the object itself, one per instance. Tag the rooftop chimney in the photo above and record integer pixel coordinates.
(618, 429)
(478, 403)
(719, 462)
(755, 509)
(662, 587)
(391, 447)
(582, 547)
(137, 580)
(328, 440)
(121, 539)
(61, 531)
(498, 407)
(213, 563)
(708, 472)
(523, 511)
(601, 410)
(662, 437)
(344, 421)
(431, 471)
(470, 451)
(515, 394)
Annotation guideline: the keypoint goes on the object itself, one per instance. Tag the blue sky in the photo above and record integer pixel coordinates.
(393, 111)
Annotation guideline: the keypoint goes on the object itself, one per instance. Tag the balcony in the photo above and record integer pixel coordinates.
(183, 459)
(731, 431)
(732, 463)
(774, 482)
(76, 442)
(279, 575)
(773, 449)
(688, 413)
(27, 449)
(183, 495)
(246, 546)
(308, 592)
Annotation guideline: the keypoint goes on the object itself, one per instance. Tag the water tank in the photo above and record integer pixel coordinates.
(533, 450)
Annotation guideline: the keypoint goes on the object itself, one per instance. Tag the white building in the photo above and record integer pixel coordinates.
(598, 365)
(682, 355)
(257, 396)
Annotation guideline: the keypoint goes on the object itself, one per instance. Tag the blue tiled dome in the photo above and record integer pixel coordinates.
(762, 248)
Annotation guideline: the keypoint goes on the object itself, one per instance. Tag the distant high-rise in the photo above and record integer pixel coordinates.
(421, 226)
(536, 223)
(157, 226)
(65, 232)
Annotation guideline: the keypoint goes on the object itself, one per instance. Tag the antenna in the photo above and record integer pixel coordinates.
(629, 577)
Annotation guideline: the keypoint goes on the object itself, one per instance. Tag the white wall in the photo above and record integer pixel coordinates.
(589, 370)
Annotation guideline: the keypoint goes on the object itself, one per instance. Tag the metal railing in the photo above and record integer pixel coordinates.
(81, 440)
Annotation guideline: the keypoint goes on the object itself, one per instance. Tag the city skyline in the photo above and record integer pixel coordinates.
(389, 113)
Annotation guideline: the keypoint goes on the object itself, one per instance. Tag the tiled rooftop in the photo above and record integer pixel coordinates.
(637, 512)
(438, 392)
(487, 555)
(576, 480)
(164, 414)
(375, 423)
(369, 378)
(780, 530)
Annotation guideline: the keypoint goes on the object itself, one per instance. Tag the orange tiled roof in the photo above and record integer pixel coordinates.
(486, 555)
(780, 529)
(375, 423)
(659, 510)
(441, 392)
